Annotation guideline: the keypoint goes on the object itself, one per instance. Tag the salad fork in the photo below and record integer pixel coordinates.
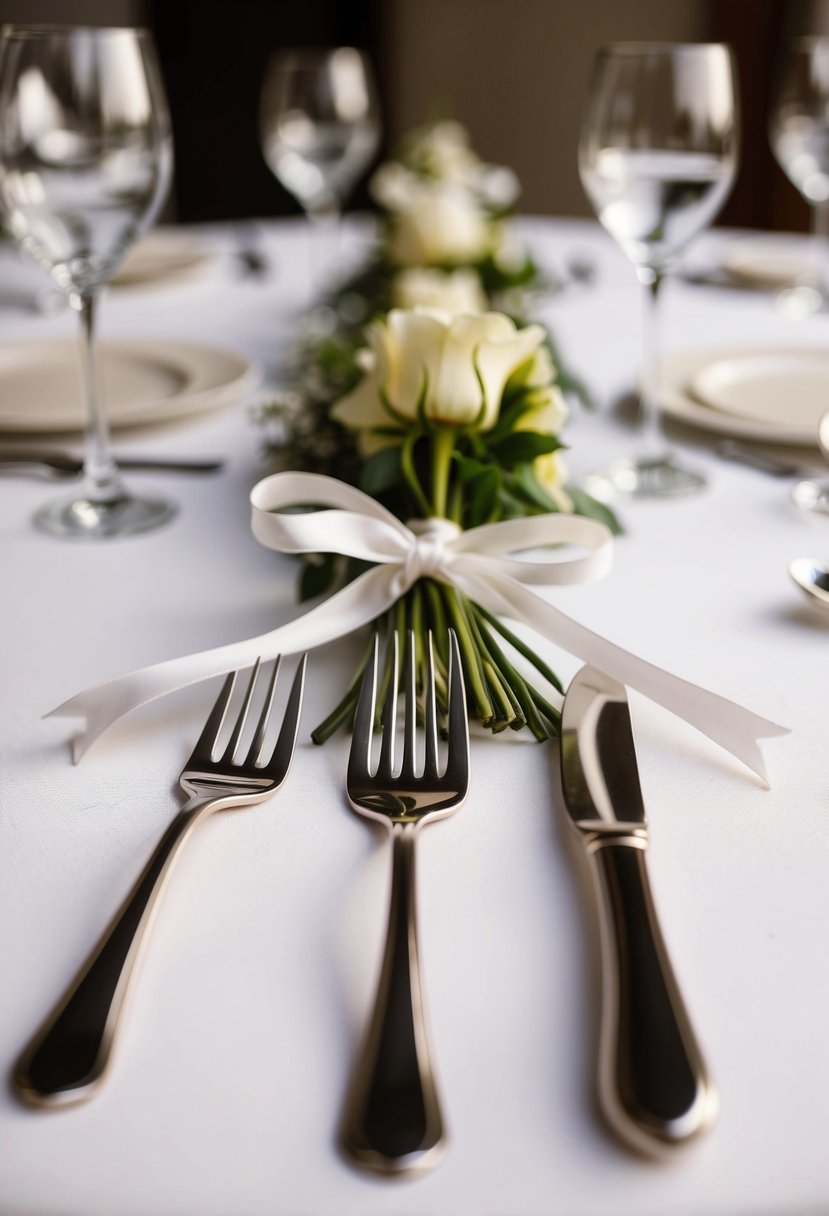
(393, 1121)
(67, 1059)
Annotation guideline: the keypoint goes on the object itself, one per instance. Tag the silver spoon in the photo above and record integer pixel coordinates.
(812, 576)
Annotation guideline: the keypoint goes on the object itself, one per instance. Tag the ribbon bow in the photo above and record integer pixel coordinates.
(479, 562)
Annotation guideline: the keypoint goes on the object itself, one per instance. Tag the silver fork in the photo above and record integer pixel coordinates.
(393, 1119)
(66, 1060)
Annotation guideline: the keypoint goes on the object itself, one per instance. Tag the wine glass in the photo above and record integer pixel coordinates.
(320, 126)
(799, 134)
(85, 163)
(657, 157)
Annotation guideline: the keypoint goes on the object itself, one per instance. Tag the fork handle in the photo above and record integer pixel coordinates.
(66, 1059)
(393, 1119)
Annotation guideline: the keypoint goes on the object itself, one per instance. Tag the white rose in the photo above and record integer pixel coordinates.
(454, 291)
(547, 411)
(460, 363)
(392, 184)
(443, 151)
(440, 224)
(498, 186)
(551, 474)
(547, 414)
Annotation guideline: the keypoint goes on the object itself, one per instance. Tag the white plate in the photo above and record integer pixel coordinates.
(680, 371)
(823, 435)
(143, 382)
(784, 386)
(163, 254)
(769, 263)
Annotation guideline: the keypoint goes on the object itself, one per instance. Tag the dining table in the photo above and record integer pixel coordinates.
(227, 1087)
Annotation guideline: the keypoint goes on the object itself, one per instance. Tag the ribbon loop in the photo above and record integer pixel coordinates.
(479, 562)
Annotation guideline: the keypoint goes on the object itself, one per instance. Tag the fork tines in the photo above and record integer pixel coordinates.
(457, 748)
(204, 753)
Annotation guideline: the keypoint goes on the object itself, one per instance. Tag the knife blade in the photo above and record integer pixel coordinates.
(65, 462)
(654, 1086)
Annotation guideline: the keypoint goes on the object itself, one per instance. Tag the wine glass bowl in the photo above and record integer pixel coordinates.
(85, 164)
(319, 124)
(799, 137)
(657, 158)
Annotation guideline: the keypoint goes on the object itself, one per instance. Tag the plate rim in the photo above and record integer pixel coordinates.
(675, 400)
(819, 359)
(192, 399)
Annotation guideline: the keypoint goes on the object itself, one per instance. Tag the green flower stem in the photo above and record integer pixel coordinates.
(344, 710)
(549, 711)
(521, 689)
(443, 445)
(440, 627)
(498, 677)
(410, 474)
(504, 711)
(415, 598)
(456, 504)
(473, 672)
(522, 648)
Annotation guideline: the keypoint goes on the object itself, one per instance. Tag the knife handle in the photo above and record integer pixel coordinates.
(654, 1086)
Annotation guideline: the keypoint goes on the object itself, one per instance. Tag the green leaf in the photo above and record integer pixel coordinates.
(381, 471)
(517, 381)
(508, 419)
(469, 468)
(585, 504)
(482, 496)
(522, 447)
(525, 481)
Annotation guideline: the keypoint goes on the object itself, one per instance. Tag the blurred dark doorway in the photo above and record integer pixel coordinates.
(213, 56)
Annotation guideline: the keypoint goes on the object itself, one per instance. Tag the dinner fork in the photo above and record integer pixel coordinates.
(66, 1060)
(393, 1119)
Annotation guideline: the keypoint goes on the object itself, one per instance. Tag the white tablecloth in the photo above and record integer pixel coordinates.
(226, 1092)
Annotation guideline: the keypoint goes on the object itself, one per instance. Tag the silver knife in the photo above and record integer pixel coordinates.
(64, 462)
(654, 1086)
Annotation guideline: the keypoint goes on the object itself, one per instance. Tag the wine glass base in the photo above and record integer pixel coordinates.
(812, 496)
(79, 518)
(801, 301)
(644, 477)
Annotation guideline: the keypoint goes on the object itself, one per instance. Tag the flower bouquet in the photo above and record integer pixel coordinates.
(455, 419)
(444, 242)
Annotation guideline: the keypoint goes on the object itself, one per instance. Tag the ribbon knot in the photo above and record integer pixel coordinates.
(427, 557)
(480, 563)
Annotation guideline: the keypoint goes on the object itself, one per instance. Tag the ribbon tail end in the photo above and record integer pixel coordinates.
(90, 729)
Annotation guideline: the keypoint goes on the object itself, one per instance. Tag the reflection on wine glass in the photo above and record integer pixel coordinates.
(320, 126)
(657, 157)
(85, 163)
(799, 133)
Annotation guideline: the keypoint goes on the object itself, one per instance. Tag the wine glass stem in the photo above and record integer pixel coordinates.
(102, 480)
(325, 240)
(653, 442)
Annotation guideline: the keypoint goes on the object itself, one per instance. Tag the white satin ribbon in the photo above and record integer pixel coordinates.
(478, 562)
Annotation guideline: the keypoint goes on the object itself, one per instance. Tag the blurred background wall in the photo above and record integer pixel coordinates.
(514, 71)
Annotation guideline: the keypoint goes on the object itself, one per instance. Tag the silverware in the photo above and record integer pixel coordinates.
(754, 458)
(70, 466)
(812, 576)
(67, 1059)
(393, 1120)
(654, 1086)
(811, 496)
